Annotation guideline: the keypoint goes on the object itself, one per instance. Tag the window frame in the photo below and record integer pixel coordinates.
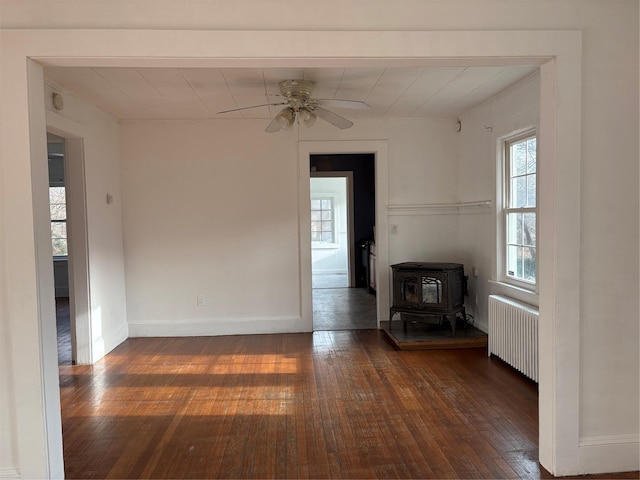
(505, 185)
(56, 221)
(334, 242)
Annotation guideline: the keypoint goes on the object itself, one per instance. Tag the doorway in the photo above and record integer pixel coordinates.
(65, 153)
(60, 247)
(342, 211)
(332, 249)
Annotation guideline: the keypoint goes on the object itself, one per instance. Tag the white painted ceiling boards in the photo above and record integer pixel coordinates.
(199, 93)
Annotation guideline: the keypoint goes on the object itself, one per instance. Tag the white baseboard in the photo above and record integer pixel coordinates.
(609, 453)
(110, 340)
(219, 326)
(482, 326)
(116, 337)
(9, 473)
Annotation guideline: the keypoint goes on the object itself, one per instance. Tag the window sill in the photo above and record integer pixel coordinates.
(519, 293)
(325, 246)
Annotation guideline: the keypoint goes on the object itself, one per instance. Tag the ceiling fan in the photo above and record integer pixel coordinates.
(299, 104)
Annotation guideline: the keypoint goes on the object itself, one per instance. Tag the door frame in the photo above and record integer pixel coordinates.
(351, 250)
(78, 244)
(558, 52)
(380, 151)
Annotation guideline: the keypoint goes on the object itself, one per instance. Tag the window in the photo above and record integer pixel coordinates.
(58, 211)
(520, 210)
(322, 220)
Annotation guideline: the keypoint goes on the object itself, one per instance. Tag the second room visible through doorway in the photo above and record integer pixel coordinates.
(342, 199)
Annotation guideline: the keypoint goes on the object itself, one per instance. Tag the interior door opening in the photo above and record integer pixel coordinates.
(65, 327)
(331, 230)
(65, 153)
(342, 200)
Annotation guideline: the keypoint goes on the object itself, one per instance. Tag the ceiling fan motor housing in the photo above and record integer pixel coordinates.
(297, 93)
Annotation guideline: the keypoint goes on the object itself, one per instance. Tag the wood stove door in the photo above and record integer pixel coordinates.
(433, 290)
(406, 289)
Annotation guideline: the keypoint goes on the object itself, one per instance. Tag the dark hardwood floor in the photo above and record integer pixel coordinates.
(323, 405)
(343, 309)
(332, 404)
(63, 327)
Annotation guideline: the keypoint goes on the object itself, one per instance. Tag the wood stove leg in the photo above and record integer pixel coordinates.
(452, 322)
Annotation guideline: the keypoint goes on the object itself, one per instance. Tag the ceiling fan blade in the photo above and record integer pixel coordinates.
(274, 126)
(333, 118)
(335, 103)
(252, 106)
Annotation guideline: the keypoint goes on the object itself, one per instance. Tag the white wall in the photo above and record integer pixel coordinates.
(511, 111)
(8, 454)
(210, 212)
(421, 175)
(604, 309)
(100, 134)
(211, 208)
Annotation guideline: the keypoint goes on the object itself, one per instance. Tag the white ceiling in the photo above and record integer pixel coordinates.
(199, 93)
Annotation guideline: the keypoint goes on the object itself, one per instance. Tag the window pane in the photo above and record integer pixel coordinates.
(529, 229)
(57, 195)
(518, 192)
(59, 229)
(57, 203)
(514, 228)
(518, 153)
(322, 220)
(529, 264)
(58, 211)
(59, 238)
(531, 190)
(59, 246)
(512, 261)
(531, 155)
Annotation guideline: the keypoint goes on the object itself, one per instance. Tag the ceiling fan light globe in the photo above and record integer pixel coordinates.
(308, 118)
(285, 118)
(288, 126)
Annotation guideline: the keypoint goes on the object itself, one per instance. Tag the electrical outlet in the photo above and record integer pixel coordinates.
(201, 301)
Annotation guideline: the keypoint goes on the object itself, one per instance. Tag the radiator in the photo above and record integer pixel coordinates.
(513, 334)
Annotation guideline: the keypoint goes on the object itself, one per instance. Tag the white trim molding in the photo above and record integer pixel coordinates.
(559, 53)
(217, 327)
(609, 453)
(408, 210)
(9, 473)
(609, 440)
(380, 149)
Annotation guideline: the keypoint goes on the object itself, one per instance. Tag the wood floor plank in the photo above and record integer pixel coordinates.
(324, 405)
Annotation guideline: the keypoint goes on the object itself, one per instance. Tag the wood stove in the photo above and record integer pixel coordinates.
(428, 290)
